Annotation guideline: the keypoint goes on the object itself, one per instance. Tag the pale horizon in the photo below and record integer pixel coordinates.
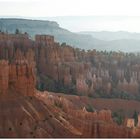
(76, 16)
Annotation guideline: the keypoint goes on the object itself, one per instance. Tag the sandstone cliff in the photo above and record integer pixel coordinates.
(61, 68)
(18, 77)
(26, 112)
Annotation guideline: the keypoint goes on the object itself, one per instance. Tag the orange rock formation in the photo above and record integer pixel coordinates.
(31, 113)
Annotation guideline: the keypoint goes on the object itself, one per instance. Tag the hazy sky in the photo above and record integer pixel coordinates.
(53, 8)
(99, 23)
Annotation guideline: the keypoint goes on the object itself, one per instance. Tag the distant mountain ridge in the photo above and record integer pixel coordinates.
(110, 41)
(120, 40)
(109, 36)
(49, 27)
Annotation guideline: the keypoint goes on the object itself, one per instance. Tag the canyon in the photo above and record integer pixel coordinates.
(37, 78)
(62, 68)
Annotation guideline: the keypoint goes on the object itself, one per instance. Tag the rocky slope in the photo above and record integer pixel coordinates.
(46, 115)
(115, 105)
(27, 112)
(96, 124)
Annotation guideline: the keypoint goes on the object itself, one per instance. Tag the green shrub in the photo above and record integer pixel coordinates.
(135, 116)
(89, 108)
(117, 118)
(58, 104)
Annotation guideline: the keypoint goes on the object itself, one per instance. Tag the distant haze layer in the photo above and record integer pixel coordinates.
(98, 23)
(114, 41)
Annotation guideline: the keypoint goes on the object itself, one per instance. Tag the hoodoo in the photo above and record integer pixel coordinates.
(27, 112)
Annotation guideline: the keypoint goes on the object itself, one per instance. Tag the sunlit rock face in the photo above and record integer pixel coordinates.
(86, 72)
(27, 112)
(18, 76)
(4, 76)
(45, 39)
(97, 124)
(22, 78)
(139, 120)
(47, 115)
(17, 65)
(69, 70)
(130, 123)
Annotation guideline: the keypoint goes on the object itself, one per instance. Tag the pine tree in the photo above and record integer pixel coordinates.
(135, 116)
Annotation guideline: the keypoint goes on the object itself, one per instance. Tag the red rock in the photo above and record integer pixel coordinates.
(4, 76)
(138, 121)
(18, 76)
(130, 123)
(56, 115)
(81, 86)
(47, 39)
